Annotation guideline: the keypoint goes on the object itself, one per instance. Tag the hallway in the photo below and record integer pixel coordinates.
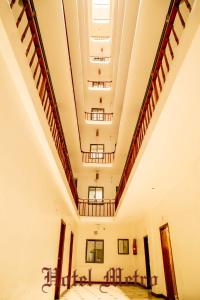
(99, 156)
(111, 292)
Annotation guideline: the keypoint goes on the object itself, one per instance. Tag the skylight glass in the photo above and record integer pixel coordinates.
(100, 10)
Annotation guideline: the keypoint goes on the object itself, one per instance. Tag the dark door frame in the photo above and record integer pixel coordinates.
(147, 261)
(70, 260)
(168, 263)
(60, 260)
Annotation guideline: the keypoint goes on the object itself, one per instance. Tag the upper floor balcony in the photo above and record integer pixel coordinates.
(99, 85)
(100, 59)
(95, 208)
(98, 38)
(100, 159)
(98, 117)
(101, 20)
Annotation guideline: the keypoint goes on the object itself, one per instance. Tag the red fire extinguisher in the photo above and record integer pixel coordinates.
(134, 247)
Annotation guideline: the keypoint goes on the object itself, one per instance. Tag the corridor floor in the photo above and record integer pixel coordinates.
(111, 292)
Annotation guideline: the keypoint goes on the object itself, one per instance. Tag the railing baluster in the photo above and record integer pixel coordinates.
(166, 61)
(20, 16)
(32, 58)
(29, 46)
(155, 90)
(175, 35)
(35, 71)
(12, 3)
(39, 78)
(181, 18)
(159, 82)
(25, 32)
(163, 73)
(170, 49)
(188, 5)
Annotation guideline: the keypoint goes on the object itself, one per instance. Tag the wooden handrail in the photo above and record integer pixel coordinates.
(155, 85)
(98, 116)
(98, 157)
(90, 208)
(42, 78)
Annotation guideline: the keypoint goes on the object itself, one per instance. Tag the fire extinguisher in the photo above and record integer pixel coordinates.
(134, 247)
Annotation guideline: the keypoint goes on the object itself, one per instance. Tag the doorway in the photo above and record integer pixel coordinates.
(70, 260)
(147, 262)
(60, 260)
(168, 263)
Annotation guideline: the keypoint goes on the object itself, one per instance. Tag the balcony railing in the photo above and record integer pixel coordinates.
(100, 38)
(98, 117)
(164, 57)
(98, 157)
(101, 20)
(99, 59)
(26, 22)
(89, 208)
(99, 85)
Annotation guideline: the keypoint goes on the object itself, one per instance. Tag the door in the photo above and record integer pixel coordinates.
(147, 262)
(60, 260)
(70, 261)
(168, 263)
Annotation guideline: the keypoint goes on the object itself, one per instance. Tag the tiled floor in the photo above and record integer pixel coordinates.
(93, 293)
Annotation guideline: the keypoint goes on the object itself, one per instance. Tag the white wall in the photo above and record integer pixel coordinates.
(106, 179)
(34, 193)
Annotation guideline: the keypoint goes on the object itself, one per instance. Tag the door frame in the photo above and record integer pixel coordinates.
(147, 261)
(70, 260)
(168, 263)
(60, 260)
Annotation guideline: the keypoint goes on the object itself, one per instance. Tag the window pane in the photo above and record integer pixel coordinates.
(92, 193)
(99, 245)
(99, 256)
(100, 148)
(90, 251)
(94, 148)
(120, 245)
(123, 246)
(99, 193)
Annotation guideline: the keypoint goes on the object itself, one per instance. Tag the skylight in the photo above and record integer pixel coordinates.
(101, 11)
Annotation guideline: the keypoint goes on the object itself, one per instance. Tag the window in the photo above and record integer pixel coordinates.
(97, 114)
(95, 193)
(123, 246)
(96, 150)
(94, 251)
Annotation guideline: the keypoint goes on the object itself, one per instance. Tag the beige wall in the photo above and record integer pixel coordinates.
(109, 232)
(165, 185)
(34, 193)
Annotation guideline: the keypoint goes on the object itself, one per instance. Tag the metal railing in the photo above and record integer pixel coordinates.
(90, 208)
(100, 38)
(26, 22)
(99, 84)
(98, 157)
(100, 59)
(101, 20)
(164, 57)
(97, 116)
